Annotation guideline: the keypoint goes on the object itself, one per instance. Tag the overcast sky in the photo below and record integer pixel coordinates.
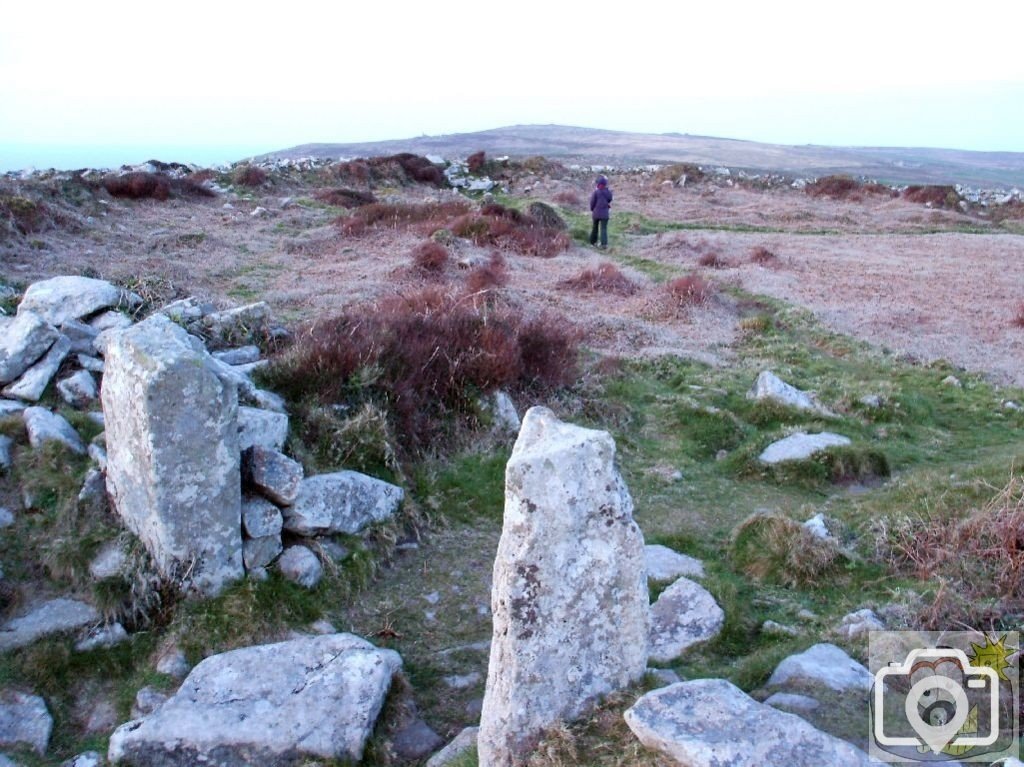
(109, 82)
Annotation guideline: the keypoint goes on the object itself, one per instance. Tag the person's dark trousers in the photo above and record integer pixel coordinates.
(601, 223)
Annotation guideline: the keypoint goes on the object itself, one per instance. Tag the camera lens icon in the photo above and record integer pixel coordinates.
(937, 705)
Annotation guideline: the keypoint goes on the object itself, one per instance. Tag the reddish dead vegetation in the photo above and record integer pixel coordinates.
(978, 559)
(432, 353)
(712, 261)
(508, 227)
(764, 257)
(381, 215)
(845, 188)
(430, 257)
(487, 276)
(690, 291)
(1019, 319)
(606, 278)
(23, 215)
(344, 198)
(568, 198)
(933, 195)
(475, 162)
(400, 168)
(249, 175)
(139, 185)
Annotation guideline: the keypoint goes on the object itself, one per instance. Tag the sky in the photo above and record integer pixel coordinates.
(110, 82)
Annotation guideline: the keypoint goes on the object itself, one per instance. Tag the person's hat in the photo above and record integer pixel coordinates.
(601, 181)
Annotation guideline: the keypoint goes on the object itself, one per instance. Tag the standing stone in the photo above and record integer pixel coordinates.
(24, 340)
(278, 704)
(570, 597)
(173, 467)
(70, 298)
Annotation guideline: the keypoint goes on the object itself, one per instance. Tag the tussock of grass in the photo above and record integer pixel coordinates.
(605, 278)
(773, 548)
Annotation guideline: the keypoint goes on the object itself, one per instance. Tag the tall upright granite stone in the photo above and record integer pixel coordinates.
(570, 598)
(173, 466)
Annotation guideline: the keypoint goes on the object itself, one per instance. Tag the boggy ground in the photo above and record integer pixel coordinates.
(862, 297)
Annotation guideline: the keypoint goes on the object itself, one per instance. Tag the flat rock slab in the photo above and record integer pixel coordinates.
(663, 564)
(43, 426)
(53, 617)
(769, 386)
(277, 704)
(342, 502)
(23, 341)
(24, 721)
(712, 723)
(261, 427)
(71, 298)
(801, 446)
(822, 665)
(684, 615)
(33, 382)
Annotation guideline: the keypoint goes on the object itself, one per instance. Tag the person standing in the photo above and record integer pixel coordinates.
(600, 209)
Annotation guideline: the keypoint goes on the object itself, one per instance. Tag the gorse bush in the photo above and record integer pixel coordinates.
(425, 358)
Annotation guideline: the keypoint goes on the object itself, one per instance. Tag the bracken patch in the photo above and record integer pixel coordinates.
(606, 278)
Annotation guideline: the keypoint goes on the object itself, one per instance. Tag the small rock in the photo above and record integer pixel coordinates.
(322, 627)
(88, 759)
(721, 455)
(952, 381)
(772, 628)
(463, 681)
(6, 518)
(147, 700)
(111, 320)
(415, 741)
(102, 718)
(98, 456)
(257, 553)
(333, 550)
(770, 386)
(1011, 405)
(664, 676)
(11, 407)
(788, 701)
(6, 443)
(242, 355)
(684, 615)
(433, 597)
(859, 623)
(801, 446)
(53, 617)
(103, 636)
(503, 410)
(664, 564)
(24, 340)
(24, 721)
(70, 297)
(341, 502)
(93, 494)
(273, 474)
(90, 363)
(806, 615)
(173, 663)
(462, 743)
(261, 518)
(259, 212)
(79, 389)
(822, 664)
(80, 335)
(818, 527)
(300, 565)
(261, 427)
(185, 310)
(872, 401)
(33, 382)
(44, 426)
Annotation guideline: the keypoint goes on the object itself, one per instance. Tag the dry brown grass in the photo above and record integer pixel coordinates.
(690, 291)
(712, 261)
(773, 548)
(978, 559)
(1019, 319)
(606, 278)
(764, 257)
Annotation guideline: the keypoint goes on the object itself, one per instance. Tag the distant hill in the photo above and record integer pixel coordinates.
(589, 146)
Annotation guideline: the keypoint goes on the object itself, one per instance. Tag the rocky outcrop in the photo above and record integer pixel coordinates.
(685, 614)
(569, 599)
(711, 722)
(278, 704)
(173, 465)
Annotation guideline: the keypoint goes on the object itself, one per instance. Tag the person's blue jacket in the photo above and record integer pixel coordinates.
(601, 203)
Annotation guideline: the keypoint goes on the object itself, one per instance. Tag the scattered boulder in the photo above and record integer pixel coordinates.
(43, 426)
(57, 616)
(33, 382)
(60, 299)
(859, 623)
(684, 615)
(102, 636)
(242, 355)
(25, 339)
(109, 562)
(24, 721)
(239, 324)
(570, 595)
(173, 663)
(11, 407)
(769, 386)
(273, 474)
(711, 722)
(186, 310)
(503, 411)
(952, 381)
(80, 335)
(261, 427)
(79, 389)
(88, 759)
(663, 564)
(6, 520)
(147, 700)
(314, 697)
(664, 676)
(801, 446)
(822, 665)
(774, 628)
(90, 363)
(461, 744)
(343, 502)
(415, 740)
(300, 565)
